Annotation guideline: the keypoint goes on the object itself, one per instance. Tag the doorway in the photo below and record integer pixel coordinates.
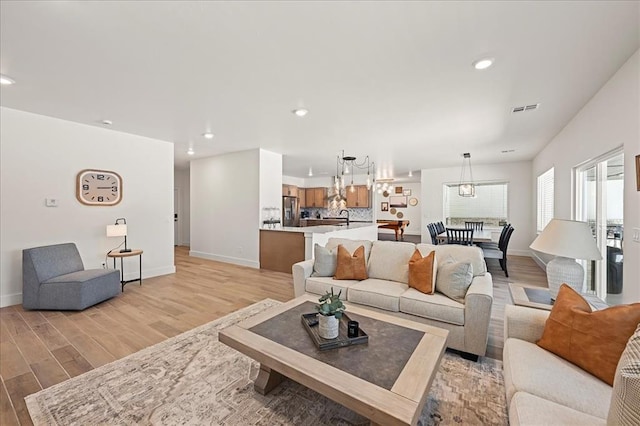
(600, 203)
(176, 216)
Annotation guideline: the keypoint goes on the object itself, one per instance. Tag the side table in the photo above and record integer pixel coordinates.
(531, 296)
(116, 254)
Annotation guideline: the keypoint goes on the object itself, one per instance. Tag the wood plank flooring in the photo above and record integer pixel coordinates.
(41, 348)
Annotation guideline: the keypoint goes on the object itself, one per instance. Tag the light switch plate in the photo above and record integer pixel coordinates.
(636, 235)
(51, 202)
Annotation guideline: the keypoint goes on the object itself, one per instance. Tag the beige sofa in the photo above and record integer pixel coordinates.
(542, 388)
(387, 290)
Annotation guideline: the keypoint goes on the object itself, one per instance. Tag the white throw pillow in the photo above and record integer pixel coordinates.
(325, 261)
(453, 279)
(625, 397)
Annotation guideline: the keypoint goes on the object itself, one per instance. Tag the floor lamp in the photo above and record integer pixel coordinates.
(567, 240)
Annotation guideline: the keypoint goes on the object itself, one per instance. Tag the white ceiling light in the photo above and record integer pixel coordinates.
(107, 122)
(483, 64)
(300, 112)
(208, 135)
(190, 151)
(310, 172)
(410, 173)
(6, 80)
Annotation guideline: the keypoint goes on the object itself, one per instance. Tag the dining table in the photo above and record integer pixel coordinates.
(479, 236)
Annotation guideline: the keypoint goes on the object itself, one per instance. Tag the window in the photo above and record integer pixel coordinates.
(489, 204)
(545, 199)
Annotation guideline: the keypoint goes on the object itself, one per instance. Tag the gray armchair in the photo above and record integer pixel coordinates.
(53, 277)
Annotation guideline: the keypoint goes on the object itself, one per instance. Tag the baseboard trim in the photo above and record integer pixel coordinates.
(225, 259)
(10, 300)
(148, 273)
(520, 253)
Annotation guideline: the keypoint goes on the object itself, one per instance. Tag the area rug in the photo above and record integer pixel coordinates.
(194, 379)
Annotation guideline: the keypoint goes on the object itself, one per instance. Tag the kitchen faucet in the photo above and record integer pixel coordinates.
(344, 210)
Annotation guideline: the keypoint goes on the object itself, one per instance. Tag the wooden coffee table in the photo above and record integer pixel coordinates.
(386, 380)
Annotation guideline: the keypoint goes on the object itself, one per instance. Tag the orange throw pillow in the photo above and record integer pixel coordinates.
(593, 341)
(351, 267)
(421, 272)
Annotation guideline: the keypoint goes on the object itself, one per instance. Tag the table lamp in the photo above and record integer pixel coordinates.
(567, 240)
(119, 230)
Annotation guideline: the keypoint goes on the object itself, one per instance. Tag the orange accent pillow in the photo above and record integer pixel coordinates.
(351, 267)
(593, 341)
(421, 272)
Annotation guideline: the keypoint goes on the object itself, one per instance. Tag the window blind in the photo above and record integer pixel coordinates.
(491, 201)
(545, 199)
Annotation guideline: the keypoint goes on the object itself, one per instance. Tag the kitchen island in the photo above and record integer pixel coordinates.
(281, 248)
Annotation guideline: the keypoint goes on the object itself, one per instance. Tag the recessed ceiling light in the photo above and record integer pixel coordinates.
(310, 172)
(190, 151)
(483, 64)
(107, 122)
(507, 151)
(6, 80)
(410, 173)
(300, 112)
(208, 135)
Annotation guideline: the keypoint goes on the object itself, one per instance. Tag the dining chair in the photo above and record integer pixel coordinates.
(474, 225)
(496, 245)
(434, 234)
(440, 228)
(460, 236)
(501, 252)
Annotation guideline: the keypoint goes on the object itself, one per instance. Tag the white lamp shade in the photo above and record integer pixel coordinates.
(116, 230)
(567, 238)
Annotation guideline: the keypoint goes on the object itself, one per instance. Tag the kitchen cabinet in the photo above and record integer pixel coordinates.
(316, 197)
(359, 197)
(302, 197)
(290, 190)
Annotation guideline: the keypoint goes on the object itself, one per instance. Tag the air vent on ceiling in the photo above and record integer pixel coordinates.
(525, 108)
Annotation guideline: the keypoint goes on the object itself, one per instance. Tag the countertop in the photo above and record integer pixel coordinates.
(322, 229)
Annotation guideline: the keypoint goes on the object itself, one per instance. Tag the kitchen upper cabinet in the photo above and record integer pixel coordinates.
(315, 197)
(290, 190)
(302, 198)
(359, 197)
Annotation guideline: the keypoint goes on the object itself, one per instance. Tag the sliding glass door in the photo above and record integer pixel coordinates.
(599, 202)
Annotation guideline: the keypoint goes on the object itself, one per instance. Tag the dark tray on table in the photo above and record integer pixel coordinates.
(341, 341)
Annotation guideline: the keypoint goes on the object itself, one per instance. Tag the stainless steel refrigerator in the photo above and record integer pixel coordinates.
(290, 211)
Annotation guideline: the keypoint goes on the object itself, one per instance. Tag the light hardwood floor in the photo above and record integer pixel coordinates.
(41, 348)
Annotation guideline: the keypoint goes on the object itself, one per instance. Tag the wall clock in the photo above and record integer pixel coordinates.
(98, 187)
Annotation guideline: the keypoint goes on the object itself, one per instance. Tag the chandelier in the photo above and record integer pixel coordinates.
(348, 165)
(466, 188)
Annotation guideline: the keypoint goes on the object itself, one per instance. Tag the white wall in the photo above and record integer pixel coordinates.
(226, 199)
(40, 158)
(183, 185)
(520, 209)
(270, 181)
(411, 213)
(610, 119)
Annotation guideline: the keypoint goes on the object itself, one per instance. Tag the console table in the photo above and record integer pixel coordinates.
(116, 254)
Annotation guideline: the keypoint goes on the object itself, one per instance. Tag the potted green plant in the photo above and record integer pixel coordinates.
(330, 309)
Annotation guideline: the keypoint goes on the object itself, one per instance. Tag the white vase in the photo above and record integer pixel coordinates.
(328, 326)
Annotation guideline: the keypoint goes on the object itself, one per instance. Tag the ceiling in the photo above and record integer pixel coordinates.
(392, 80)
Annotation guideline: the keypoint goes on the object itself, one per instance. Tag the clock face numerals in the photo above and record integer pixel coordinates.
(98, 187)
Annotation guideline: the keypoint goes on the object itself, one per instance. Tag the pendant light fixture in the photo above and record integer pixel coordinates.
(347, 164)
(466, 187)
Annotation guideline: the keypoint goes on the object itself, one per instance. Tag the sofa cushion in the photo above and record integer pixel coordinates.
(389, 260)
(453, 279)
(423, 272)
(381, 294)
(79, 276)
(351, 266)
(527, 409)
(458, 253)
(593, 341)
(325, 261)
(529, 368)
(625, 398)
(350, 245)
(322, 285)
(433, 306)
